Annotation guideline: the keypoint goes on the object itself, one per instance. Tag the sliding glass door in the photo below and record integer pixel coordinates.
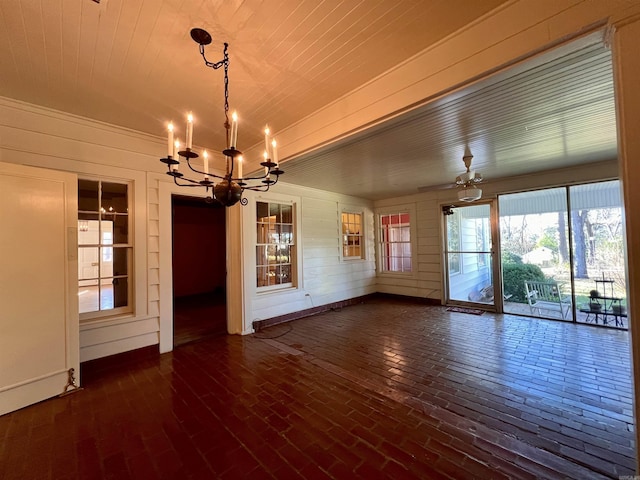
(598, 254)
(562, 253)
(534, 239)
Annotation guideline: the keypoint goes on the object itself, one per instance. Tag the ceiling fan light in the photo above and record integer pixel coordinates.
(469, 194)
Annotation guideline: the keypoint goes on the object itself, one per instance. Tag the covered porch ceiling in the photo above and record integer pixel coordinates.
(553, 111)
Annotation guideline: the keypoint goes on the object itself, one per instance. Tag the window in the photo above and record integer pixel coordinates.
(352, 240)
(275, 244)
(104, 248)
(395, 242)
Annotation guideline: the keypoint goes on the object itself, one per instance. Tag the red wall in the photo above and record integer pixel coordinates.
(199, 247)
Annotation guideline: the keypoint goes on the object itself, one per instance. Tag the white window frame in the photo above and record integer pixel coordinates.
(413, 240)
(295, 274)
(129, 309)
(361, 235)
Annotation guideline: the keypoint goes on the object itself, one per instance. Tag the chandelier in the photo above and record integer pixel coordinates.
(467, 180)
(226, 190)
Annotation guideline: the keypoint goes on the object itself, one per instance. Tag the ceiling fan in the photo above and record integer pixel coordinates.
(467, 181)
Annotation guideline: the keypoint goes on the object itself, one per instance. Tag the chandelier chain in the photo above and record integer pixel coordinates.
(216, 65)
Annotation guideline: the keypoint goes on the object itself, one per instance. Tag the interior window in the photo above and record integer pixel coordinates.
(104, 248)
(275, 244)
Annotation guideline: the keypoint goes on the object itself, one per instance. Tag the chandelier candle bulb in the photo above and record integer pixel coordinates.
(189, 131)
(234, 130)
(206, 164)
(170, 140)
(176, 147)
(274, 152)
(266, 140)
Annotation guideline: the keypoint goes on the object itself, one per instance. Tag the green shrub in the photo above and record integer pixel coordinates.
(514, 276)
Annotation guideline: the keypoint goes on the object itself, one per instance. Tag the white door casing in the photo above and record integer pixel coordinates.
(39, 331)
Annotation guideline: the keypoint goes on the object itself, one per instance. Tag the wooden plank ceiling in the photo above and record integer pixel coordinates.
(132, 63)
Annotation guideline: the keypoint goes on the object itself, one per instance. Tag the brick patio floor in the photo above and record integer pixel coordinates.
(384, 389)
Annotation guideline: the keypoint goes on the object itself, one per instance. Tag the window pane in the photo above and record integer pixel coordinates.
(114, 197)
(286, 213)
(261, 255)
(262, 276)
(88, 299)
(262, 211)
(271, 254)
(120, 292)
(285, 274)
(262, 233)
(406, 264)
(274, 211)
(106, 296)
(88, 195)
(121, 229)
(286, 234)
(88, 263)
(284, 254)
(88, 233)
(120, 261)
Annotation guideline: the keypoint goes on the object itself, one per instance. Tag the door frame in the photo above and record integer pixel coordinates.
(234, 264)
(496, 270)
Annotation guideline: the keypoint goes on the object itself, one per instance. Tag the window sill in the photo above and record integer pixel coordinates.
(275, 289)
(92, 323)
(398, 274)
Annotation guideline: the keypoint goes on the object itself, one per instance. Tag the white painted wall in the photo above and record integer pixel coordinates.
(31, 135)
(322, 276)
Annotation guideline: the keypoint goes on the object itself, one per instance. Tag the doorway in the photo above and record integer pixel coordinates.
(199, 269)
(468, 255)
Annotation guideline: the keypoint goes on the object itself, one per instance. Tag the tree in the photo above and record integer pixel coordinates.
(579, 251)
(549, 240)
(563, 249)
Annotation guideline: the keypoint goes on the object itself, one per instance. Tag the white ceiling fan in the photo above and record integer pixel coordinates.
(468, 191)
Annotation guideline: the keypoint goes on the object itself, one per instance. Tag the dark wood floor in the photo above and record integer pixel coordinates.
(384, 389)
(196, 317)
